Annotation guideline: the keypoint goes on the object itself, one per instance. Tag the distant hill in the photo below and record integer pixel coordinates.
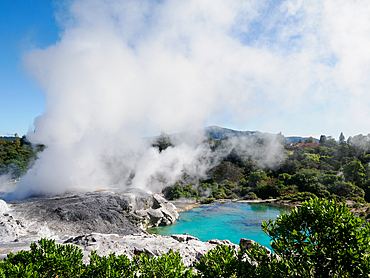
(7, 137)
(218, 133)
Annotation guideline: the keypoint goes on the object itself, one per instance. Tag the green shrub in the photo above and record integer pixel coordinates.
(251, 196)
(321, 239)
(178, 191)
(285, 178)
(166, 266)
(246, 190)
(232, 196)
(257, 176)
(300, 196)
(266, 189)
(111, 266)
(259, 262)
(45, 259)
(346, 189)
(222, 261)
(208, 200)
(219, 194)
(205, 189)
(359, 200)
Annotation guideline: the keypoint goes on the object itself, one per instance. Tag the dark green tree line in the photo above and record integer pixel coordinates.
(17, 155)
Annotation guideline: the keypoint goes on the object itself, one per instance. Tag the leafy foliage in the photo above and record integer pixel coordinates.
(321, 239)
(222, 261)
(110, 266)
(180, 191)
(163, 142)
(300, 196)
(166, 266)
(45, 259)
(17, 155)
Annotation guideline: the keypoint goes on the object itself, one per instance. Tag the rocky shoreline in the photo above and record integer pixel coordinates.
(184, 205)
(105, 221)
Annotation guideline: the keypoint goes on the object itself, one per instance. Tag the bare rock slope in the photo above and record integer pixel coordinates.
(99, 212)
(104, 221)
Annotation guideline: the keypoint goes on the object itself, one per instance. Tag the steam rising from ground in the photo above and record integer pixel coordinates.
(123, 70)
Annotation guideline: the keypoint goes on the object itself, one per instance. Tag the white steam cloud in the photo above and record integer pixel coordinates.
(123, 70)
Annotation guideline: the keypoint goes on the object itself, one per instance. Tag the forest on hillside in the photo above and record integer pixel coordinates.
(328, 169)
(17, 155)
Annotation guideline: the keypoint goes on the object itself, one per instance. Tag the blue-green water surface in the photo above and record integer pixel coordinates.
(231, 221)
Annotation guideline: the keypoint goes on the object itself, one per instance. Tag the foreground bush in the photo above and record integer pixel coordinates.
(318, 239)
(46, 259)
(321, 239)
(110, 266)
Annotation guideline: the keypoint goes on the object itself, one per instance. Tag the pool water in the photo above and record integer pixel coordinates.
(231, 221)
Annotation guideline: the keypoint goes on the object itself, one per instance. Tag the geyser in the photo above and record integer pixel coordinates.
(124, 70)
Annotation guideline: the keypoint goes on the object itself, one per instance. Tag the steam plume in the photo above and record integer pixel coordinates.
(123, 70)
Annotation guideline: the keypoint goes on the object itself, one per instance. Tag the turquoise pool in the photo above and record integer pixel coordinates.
(231, 221)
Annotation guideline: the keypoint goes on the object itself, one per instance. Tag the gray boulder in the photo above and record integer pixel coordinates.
(161, 213)
(247, 244)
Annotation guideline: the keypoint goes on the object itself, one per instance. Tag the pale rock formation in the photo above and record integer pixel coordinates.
(190, 248)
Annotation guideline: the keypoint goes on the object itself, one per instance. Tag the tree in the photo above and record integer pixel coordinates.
(16, 141)
(16, 156)
(321, 239)
(330, 142)
(355, 172)
(290, 166)
(227, 171)
(322, 139)
(346, 189)
(163, 142)
(257, 176)
(305, 178)
(310, 140)
(341, 138)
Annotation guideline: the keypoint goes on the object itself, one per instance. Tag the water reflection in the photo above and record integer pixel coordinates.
(259, 208)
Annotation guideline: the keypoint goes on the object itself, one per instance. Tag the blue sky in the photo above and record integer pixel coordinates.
(301, 68)
(24, 25)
